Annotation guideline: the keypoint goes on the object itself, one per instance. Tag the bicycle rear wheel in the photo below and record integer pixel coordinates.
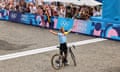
(57, 61)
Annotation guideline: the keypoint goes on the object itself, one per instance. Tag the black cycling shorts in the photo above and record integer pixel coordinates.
(63, 48)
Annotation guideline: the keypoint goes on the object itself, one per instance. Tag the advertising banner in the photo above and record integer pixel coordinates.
(82, 26)
(67, 23)
(4, 14)
(40, 21)
(98, 28)
(27, 18)
(14, 16)
(112, 31)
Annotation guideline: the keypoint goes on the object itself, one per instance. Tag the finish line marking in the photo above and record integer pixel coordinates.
(46, 49)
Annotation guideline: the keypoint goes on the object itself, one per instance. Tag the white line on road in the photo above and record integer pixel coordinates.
(46, 49)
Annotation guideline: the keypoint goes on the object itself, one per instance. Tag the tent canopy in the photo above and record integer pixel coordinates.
(87, 2)
(77, 2)
(65, 1)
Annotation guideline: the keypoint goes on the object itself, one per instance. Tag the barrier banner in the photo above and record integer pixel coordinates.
(112, 31)
(27, 18)
(4, 14)
(98, 28)
(14, 16)
(82, 26)
(67, 23)
(43, 21)
(39, 20)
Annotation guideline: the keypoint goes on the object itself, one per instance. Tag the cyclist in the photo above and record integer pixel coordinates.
(63, 42)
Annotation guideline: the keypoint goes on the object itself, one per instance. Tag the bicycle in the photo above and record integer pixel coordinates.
(57, 59)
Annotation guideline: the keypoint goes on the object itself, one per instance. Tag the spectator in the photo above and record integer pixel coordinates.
(39, 2)
(17, 6)
(49, 14)
(48, 11)
(77, 14)
(22, 6)
(54, 10)
(11, 5)
(2, 5)
(62, 11)
(84, 13)
(91, 11)
(27, 10)
(73, 10)
(96, 11)
(40, 17)
(68, 12)
(39, 10)
(32, 8)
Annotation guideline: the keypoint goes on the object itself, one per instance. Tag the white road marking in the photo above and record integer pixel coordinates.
(46, 49)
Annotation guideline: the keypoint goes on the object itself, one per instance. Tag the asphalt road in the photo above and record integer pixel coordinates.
(95, 57)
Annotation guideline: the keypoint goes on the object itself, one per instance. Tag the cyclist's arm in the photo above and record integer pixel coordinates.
(67, 32)
(53, 32)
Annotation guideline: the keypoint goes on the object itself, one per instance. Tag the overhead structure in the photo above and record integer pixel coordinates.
(88, 2)
(64, 1)
(78, 2)
(50, 0)
(68, 1)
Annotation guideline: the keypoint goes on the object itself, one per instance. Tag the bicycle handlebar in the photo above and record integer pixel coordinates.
(69, 46)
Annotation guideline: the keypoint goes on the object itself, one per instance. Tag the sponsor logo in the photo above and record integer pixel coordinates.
(64, 23)
(13, 15)
(23, 17)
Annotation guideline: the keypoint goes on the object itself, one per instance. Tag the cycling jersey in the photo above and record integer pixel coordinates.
(62, 38)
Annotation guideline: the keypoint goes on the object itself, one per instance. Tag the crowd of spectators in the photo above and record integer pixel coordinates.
(79, 12)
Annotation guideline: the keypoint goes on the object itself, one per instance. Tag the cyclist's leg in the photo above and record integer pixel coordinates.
(65, 56)
(65, 50)
(61, 50)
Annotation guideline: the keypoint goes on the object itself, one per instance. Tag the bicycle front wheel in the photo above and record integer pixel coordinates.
(57, 61)
(73, 57)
